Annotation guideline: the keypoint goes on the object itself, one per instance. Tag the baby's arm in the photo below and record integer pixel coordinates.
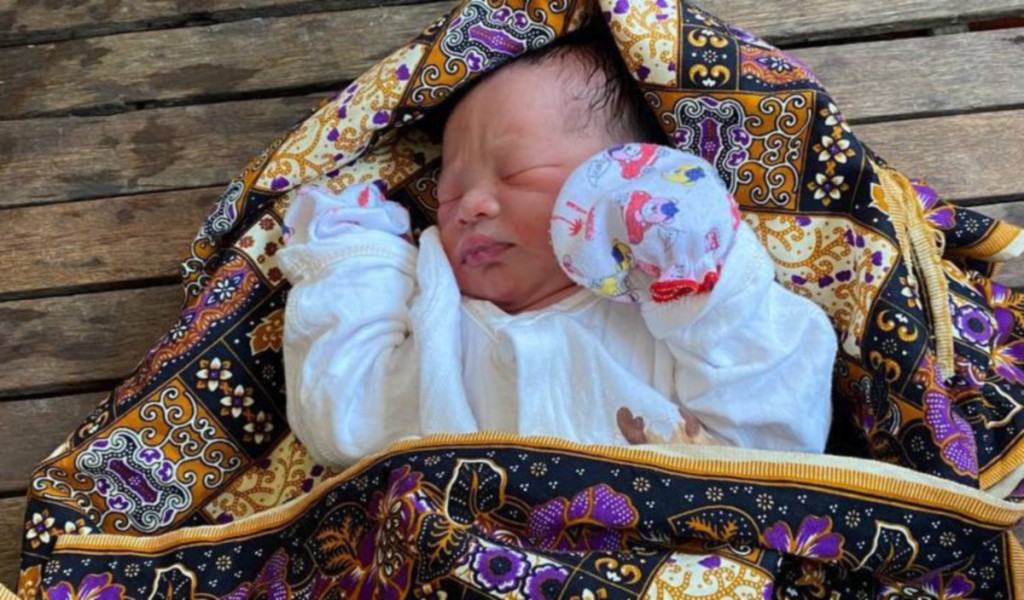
(351, 369)
(653, 225)
(753, 362)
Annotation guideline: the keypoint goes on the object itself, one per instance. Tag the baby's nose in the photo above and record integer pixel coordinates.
(476, 205)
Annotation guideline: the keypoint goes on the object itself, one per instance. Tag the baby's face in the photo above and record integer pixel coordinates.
(506, 154)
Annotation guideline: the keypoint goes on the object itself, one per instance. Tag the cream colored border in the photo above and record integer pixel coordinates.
(834, 474)
(6, 594)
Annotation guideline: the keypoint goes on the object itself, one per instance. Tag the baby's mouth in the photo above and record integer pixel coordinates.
(480, 250)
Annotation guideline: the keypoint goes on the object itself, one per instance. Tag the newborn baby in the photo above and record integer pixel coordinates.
(487, 326)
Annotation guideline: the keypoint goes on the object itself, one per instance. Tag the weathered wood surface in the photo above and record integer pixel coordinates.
(32, 429)
(26, 23)
(60, 344)
(787, 21)
(200, 61)
(96, 242)
(205, 145)
(48, 160)
(197, 63)
(12, 529)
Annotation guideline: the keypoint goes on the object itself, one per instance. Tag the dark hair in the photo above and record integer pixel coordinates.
(615, 96)
(607, 87)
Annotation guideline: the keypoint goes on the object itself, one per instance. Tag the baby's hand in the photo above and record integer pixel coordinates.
(318, 214)
(643, 222)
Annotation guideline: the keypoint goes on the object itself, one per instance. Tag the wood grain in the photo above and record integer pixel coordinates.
(967, 158)
(100, 241)
(193, 64)
(232, 58)
(33, 22)
(12, 529)
(55, 344)
(203, 146)
(48, 160)
(886, 80)
(32, 429)
(788, 20)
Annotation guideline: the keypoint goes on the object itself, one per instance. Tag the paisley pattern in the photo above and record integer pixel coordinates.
(197, 436)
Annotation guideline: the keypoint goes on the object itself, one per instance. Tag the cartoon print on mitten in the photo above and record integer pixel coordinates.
(658, 228)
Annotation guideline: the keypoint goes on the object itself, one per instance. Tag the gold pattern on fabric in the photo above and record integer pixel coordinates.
(285, 474)
(260, 244)
(168, 454)
(766, 136)
(340, 130)
(814, 257)
(922, 254)
(696, 577)
(647, 35)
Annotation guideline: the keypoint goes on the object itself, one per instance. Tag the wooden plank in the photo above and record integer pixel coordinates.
(876, 81)
(1011, 273)
(32, 429)
(791, 21)
(12, 529)
(201, 146)
(967, 158)
(199, 63)
(100, 241)
(232, 58)
(56, 344)
(32, 23)
(29, 22)
(49, 160)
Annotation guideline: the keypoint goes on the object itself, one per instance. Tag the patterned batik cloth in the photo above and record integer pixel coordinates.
(196, 436)
(641, 222)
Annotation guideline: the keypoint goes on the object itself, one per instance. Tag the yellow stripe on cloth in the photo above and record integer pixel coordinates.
(922, 251)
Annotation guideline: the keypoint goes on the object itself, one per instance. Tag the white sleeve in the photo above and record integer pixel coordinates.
(351, 368)
(753, 361)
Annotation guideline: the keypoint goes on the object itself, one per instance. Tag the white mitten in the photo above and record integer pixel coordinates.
(318, 214)
(640, 223)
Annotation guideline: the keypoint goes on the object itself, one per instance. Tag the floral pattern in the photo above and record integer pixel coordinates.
(550, 523)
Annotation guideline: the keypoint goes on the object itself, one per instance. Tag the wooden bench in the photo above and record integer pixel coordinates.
(121, 122)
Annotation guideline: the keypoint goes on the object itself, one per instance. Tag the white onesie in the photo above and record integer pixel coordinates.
(379, 345)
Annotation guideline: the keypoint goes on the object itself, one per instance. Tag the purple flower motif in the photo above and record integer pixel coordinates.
(672, 67)
(662, 4)
(402, 73)
(269, 584)
(546, 583)
(825, 281)
(813, 539)
(598, 518)
(380, 117)
(474, 61)
(333, 134)
(279, 183)
(92, 587)
(225, 518)
(798, 280)
(974, 325)
(876, 257)
(803, 221)
(621, 7)
(942, 217)
(343, 111)
(520, 20)
(642, 73)
(118, 503)
(498, 569)
(149, 455)
(501, 15)
(332, 174)
(710, 562)
(955, 587)
(951, 432)
(868, 278)
(844, 275)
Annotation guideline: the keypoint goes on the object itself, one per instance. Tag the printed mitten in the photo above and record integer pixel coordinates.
(641, 222)
(318, 214)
